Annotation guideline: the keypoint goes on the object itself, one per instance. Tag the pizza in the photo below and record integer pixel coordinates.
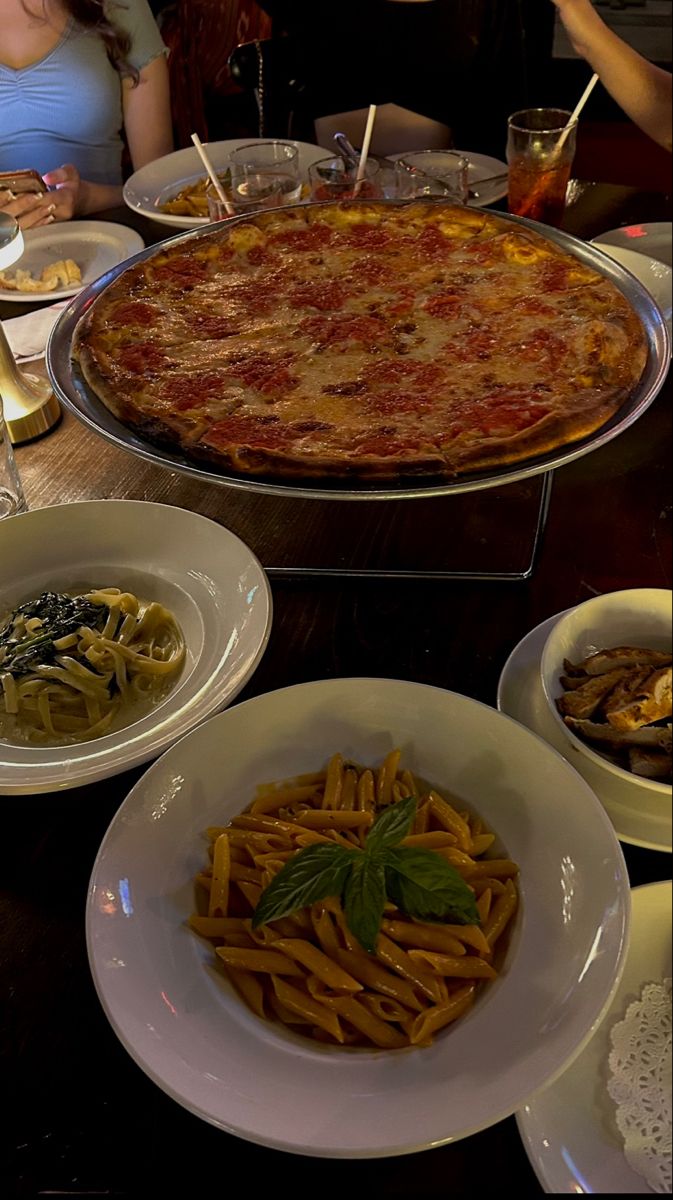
(364, 341)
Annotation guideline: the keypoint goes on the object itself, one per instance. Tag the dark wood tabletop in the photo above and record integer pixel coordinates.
(81, 1117)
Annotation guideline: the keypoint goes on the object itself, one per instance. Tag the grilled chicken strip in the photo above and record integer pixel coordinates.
(654, 736)
(583, 701)
(652, 702)
(619, 656)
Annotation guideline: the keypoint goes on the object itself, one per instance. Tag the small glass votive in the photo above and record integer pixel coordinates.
(438, 173)
(273, 158)
(12, 499)
(335, 179)
(245, 191)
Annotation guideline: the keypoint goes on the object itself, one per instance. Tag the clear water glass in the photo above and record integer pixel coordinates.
(438, 173)
(278, 159)
(246, 192)
(12, 499)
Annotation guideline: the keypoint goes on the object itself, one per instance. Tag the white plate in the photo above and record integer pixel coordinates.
(95, 246)
(569, 1129)
(653, 274)
(639, 818)
(202, 572)
(181, 1021)
(654, 239)
(161, 179)
(481, 167)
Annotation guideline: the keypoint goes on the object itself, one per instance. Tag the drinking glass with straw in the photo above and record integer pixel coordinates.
(541, 145)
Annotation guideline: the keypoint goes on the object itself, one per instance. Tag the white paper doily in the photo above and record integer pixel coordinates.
(640, 1083)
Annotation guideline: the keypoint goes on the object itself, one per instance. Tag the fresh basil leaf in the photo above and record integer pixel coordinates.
(391, 826)
(422, 884)
(364, 900)
(312, 874)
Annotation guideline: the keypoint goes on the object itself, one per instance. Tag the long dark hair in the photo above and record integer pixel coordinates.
(93, 14)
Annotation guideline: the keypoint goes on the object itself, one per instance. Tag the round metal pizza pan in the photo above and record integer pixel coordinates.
(74, 392)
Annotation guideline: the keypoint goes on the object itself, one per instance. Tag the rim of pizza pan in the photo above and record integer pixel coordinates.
(76, 395)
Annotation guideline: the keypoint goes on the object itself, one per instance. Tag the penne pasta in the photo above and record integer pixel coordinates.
(306, 969)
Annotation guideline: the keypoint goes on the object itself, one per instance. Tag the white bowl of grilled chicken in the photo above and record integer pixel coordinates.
(606, 676)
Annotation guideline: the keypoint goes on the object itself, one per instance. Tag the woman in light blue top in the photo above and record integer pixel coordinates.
(74, 75)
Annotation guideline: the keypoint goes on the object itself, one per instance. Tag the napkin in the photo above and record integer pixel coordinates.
(640, 1083)
(28, 335)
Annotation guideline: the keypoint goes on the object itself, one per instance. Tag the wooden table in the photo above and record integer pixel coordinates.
(83, 1118)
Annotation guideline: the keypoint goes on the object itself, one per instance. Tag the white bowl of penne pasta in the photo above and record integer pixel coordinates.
(374, 907)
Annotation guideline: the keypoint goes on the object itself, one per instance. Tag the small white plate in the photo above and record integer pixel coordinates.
(639, 818)
(186, 1028)
(481, 167)
(654, 239)
(209, 579)
(95, 246)
(654, 275)
(161, 179)
(568, 1129)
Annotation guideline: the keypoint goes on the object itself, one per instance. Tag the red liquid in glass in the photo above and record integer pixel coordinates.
(538, 194)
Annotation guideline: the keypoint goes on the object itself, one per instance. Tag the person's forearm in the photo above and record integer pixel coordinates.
(642, 90)
(94, 197)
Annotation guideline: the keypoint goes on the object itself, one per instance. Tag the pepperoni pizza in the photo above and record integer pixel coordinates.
(363, 340)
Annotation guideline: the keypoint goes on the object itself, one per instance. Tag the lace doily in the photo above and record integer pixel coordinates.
(640, 1083)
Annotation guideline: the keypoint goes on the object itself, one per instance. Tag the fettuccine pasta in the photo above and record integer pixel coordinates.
(74, 667)
(307, 970)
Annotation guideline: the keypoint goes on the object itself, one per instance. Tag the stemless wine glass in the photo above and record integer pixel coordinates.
(12, 499)
(246, 192)
(335, 179)
(279, 160)
(438, 173)
(540, 154)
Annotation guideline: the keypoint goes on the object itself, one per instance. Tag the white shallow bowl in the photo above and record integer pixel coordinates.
(635, 617)
(569, 1129)
(96, 247)
(652, 238)
(181, 1021)
(209, 579)
(159, 180)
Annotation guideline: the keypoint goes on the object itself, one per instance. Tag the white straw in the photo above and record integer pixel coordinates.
(576, 112)
(364, 153)
(213, 177)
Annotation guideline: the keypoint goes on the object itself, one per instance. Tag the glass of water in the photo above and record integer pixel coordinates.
(12, 499)
(279, 160)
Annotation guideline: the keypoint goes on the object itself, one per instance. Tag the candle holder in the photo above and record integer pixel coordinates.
(30, 406)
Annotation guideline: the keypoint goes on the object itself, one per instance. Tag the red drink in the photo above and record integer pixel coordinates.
(537, 193)
(346, 190)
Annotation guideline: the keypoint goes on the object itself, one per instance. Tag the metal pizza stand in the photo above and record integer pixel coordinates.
(455, 528)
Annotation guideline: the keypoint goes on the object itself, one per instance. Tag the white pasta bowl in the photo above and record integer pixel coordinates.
(206, 576)
(190, 1032)
(639, 617)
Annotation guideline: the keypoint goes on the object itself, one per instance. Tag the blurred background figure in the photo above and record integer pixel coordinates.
(83, 84)
(641, 88)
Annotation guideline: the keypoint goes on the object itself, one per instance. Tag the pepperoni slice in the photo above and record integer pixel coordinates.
(183, 393)
(181, 271)
(142, 358)
(263, 372)
(326, 297)
(308, 237)
(344, 328)
(134, 312)
(256, 432)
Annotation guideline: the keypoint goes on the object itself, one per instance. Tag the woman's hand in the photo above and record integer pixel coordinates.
(68, 196)
(30, 209)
